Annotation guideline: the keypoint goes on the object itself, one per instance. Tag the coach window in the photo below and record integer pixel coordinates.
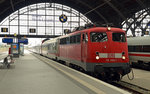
(71, 39)
(146, 48)
(131, 48)
(74, 39)
(53, 46)
(63, 41)
(118, 37)
(49, 47)
(83, 37)
(68, 41)
(138, 48)
(78, 38)
(98, 37)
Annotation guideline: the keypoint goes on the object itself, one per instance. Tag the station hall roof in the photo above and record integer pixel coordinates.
(103, 11)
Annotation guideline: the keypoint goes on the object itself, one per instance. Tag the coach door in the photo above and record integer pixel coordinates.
(84, 49)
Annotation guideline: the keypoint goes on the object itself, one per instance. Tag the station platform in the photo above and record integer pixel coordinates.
(141, 78)
(30, 75)
(3, 55)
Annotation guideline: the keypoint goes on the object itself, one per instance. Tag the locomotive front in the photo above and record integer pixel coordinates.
(108, 53)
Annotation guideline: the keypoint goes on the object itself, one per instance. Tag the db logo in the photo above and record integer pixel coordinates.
(111, 55)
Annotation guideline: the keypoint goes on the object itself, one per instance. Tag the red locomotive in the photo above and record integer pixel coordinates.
(99, 50)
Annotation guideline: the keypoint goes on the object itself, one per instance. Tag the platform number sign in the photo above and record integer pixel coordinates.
(63, 18)
(32, 30)
(4, 29)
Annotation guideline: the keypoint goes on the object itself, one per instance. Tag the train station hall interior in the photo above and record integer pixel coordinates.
(74, 47)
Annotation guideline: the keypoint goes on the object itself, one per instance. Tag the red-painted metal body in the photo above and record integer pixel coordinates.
(89, 55)
(86, 51)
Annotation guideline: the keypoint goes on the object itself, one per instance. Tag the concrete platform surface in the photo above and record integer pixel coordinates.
(29, 75)
(3, 55)
(88, 83)
(141, 78)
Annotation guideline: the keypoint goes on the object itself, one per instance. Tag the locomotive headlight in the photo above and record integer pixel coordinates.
(97, 57)
(108, 28)
(123, 57)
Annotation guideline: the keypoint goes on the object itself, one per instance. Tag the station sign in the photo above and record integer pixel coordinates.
(4, 29)
(24, 41)
(10, 40)
(7, 40)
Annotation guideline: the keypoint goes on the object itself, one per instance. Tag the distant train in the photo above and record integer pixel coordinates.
(98, 50)
(139, 51)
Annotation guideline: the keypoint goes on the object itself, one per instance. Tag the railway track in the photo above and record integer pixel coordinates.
(131, 87)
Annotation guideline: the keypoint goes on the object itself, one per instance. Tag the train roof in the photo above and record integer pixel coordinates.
(95, 29)
(112, 29)
(50, 41)
(145, 40)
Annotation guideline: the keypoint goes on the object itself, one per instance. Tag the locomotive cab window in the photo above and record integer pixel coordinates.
(86, 37)
(98, 37)
(118, 37)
